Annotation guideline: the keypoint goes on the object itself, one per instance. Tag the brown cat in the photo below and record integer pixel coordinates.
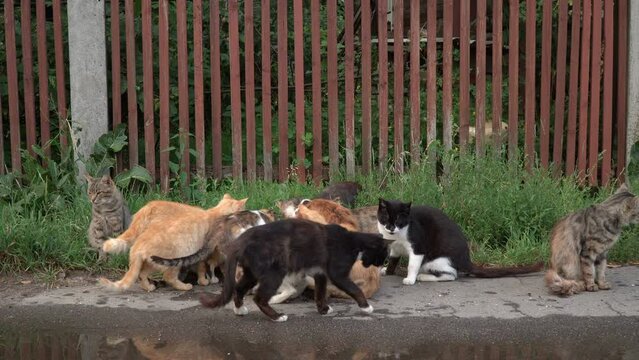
(169, 236)
(581, 240)
(109, 212)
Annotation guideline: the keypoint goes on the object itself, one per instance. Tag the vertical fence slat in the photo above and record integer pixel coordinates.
(298, 26)
(317, 91)
(530, 100)
(236, 83)
(132, 100)
(349, 87)
(560, 97)
(198, 88)
(163, 29)
(27, 74)
(382, 85)
(447, 85)
(431, 77)
(147, 75)
(573, 91)
(282, 87)
(609, 40)
(513, 79)
(584, 89)
(59, 73)
(267, 137)
(415, 133)
(249, 70)
(622, 83)
(2, 164)
(398, 84)
(546, 49)
(12, 82)
(595, 89)
(43, 77)
(480, 100)
(116, 73)
(216, 89)
(366, 86)
(497, 74)
(333, 125)
(464, 74)
(183, 89)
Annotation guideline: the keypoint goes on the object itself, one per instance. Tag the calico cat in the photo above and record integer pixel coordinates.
(268, 252)
(435, 245)
(172, 237)
(110, 214)
(581, 240)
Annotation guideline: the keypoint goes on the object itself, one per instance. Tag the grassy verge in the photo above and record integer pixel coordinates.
(506, 212)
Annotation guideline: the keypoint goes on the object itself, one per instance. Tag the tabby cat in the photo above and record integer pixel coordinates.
(109, 214)
(580, 243)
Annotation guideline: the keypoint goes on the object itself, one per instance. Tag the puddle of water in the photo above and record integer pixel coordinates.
(49, 345)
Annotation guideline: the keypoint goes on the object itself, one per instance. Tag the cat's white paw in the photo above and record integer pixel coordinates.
(408, 281)
(368, 309)
(242, 310)
(330, 310)
(214, 279)
(382, 271)
(282, 318)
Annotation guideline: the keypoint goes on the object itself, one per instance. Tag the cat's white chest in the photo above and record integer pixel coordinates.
(400, 245)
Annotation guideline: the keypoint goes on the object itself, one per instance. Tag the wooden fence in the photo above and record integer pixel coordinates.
(361, 85)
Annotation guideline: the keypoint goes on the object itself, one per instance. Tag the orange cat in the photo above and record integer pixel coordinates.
(161, 232)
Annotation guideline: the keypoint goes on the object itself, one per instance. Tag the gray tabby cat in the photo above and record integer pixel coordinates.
(110, 214)
(581, 240)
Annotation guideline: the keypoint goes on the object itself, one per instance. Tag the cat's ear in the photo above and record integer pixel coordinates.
(106, 179)
(90, 179)
(382, 203)
(227, 196)
(622, 188)
(243, 201)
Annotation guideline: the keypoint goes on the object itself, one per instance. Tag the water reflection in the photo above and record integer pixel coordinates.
(82, 346)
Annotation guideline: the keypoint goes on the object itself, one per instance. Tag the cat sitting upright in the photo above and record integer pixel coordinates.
(435, 245)
(581, 240)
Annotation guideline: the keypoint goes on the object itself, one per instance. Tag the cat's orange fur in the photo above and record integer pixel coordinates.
(328, 212)
(163, 232)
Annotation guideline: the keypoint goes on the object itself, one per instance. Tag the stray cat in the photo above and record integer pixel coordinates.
(581, 240)
(345, 192)
(268, 252)
(434, 244)
(366, 219)
(109, 214)
(171, 236)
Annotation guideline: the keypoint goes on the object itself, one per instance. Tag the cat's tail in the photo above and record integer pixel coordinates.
(194, 258)
(489, 272)
(115, 245)
(214, 301)
(561, 286)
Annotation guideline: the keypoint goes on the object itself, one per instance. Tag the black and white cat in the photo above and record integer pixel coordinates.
(435, 245)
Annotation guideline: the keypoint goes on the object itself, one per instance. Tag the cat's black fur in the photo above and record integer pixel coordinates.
(268, 252)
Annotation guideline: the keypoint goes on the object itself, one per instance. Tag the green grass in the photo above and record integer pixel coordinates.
(506, 212)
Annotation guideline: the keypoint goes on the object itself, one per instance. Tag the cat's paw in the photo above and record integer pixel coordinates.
(603, 285)
(281, 318)
(242, 310)
(368, 309)
(382, 271)
(214, 279)
(408, 281)
(592, 287)
(203, 282)
(327, 310)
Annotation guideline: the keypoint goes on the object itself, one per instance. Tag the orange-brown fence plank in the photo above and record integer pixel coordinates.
(333, 125)
(132, 118)
(447, 85)
(12, 82)
(584, 89)
(163, 29)
(59, 73)
(2, 164)
(183, 88)
(609, 40)
(560, 92)
(147, 78)
(573, 90)
(498, 41)
(398, 84)
(236, 82)
(43, 77)
(317, 89)
(298, 26)
(464, 74)
(198, 88)
(513, 79)
(480, 85)
(267, 138)
(431, 76)
(367, 144)
(530, 100)
(415, 132)
(349, 86)
(622, 84)
(595, 88)
(116, 76)
(27, 74)
(282, 87)
(216, 89)
(382, 85)
(249, 70)
(544, 112)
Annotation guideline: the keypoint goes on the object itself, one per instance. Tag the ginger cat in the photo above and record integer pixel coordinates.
(161, 232)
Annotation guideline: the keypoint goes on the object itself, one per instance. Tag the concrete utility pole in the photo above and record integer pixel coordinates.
(87, 68)
(633, 77)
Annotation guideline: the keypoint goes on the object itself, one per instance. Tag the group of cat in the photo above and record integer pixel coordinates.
(323, 245)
